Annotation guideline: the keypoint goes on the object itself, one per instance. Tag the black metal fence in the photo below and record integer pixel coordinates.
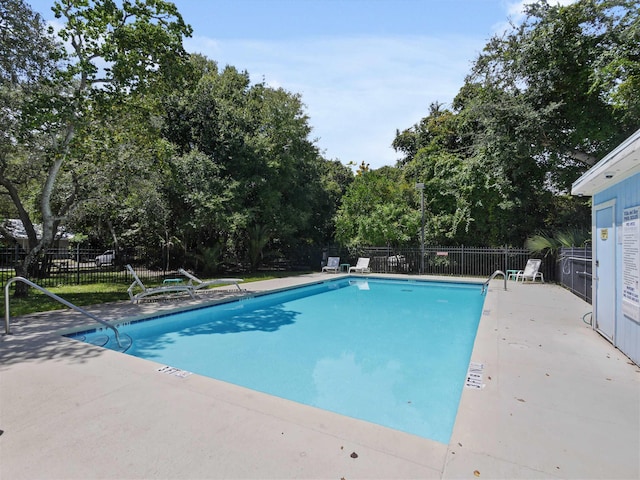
(76, 266)
(574, 271)
(438, 260)
(79, 265)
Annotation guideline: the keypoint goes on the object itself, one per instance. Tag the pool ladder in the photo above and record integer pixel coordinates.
(55, 297)
(485, 285)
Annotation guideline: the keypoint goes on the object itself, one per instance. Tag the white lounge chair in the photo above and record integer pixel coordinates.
(333, 265)
(197, 284)
(397, 263)
(145, 292)
(361, 267)
(530, 271)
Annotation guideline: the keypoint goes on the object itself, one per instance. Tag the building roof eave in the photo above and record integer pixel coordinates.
(622, 162)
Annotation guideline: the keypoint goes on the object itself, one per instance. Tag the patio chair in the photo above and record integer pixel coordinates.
(397, 263)
(147, 291)
(530, 271)
(333, 264)
(361, 267)
(197, 284)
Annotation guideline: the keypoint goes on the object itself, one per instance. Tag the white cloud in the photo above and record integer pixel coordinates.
(358, 90)
(516, 13)
(515, 10)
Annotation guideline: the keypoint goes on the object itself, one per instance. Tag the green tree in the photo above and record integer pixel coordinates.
(542, 103)
(437, 131)
(123, 169)
(257, 165)
(202, 201)
(495, 124)
(28, 58)
(464, 201)
(114, 52)
(329, 190)
(563, 84)
(459, 208)
(378, 208)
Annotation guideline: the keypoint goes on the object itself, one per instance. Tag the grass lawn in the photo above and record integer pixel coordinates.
(95, 293)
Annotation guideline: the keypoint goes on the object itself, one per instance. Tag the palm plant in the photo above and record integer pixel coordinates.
(546, 244)
(207, 260)
(259, 237)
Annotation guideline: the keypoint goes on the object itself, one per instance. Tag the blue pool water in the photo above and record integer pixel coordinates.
(390, 352)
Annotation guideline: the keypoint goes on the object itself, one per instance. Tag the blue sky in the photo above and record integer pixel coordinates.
(364, 68)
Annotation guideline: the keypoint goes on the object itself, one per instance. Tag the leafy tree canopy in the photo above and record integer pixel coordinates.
(378, 209)
(541, 104)
(257, 179)
(115, 51)
(562, 86)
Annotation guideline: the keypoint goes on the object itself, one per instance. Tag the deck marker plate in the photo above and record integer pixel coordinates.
(176, 372)
(474, 376)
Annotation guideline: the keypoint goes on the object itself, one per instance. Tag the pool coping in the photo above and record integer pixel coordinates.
(531, 340)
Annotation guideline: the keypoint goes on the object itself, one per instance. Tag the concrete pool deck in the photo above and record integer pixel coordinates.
(558, 402)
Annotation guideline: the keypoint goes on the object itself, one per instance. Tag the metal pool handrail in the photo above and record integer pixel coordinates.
(55, 297)
(485, 285)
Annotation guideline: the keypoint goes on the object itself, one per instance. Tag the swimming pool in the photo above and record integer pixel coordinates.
(391, 352)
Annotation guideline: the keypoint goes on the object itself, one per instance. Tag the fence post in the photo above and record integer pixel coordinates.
(572, 268)
(506, 258)
(78, 263)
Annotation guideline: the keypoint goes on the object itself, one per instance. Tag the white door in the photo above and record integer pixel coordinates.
(605, 269)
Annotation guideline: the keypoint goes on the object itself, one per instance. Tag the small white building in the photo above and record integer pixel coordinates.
(19, 233)
(614, 185)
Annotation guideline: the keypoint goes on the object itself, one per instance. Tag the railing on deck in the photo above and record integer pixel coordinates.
(485, 285)
(574, 271)
(7, 305)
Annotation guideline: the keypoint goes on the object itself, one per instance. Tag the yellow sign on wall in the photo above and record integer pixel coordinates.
(604, 234)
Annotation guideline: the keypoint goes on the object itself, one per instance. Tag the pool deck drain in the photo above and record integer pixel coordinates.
(562, 404)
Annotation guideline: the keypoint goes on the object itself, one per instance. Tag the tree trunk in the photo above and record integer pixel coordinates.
(22, 289)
